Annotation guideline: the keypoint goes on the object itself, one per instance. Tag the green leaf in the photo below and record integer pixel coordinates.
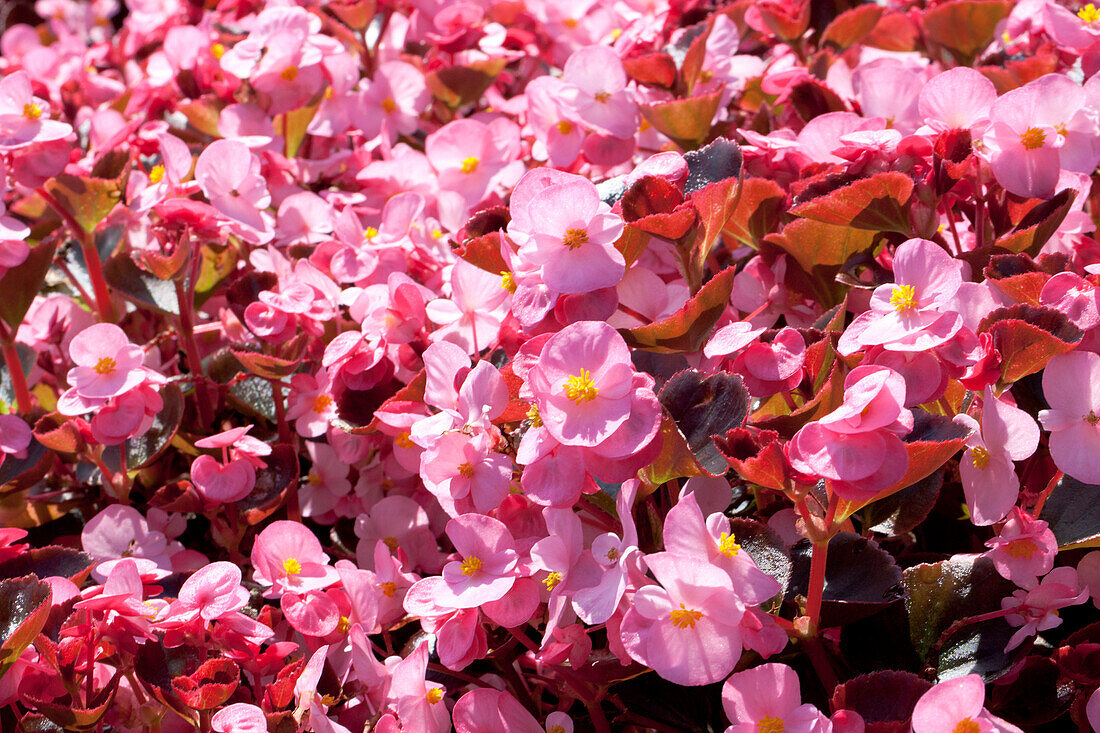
(24, 608)
(88, 200)
(878, 203)
(1073, 513)
(21, 283)
(687, 329)
(686, 121)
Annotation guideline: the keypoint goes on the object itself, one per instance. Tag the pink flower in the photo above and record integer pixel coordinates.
(486, 709)
(239, 717)
(1088, 572)
(24, 118)
(570, 233)
(957, 705)
(1036, 609)
(289, 558)
(596, 91)
(767, 698)
(585, 388)
(472, 316)
(989, 479)
(222, 483)
(229, 176)
(915, 313)
(1024, 549)
(487, 569)
(857, 446)
(419, 703)
(1071, 386)
(958, 98)
(107, 364)
(392, 102)
(768, 368)
(1038, 130)
(470, 157)
(310, 403)
(465, 474)
(15, 437)
(686, 628)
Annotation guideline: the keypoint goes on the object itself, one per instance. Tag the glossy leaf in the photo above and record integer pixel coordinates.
(686, 121)
(24, 608)
(885, 700)
(1072, 512)
(688, 329)
(1027, 337)
(878, 203)
(851, 26)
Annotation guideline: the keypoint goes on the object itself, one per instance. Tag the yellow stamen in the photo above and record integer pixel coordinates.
(534, 417)
(1091, 418)
(552, 580)
(574, 238)
(321, 403)
(469, 165)
(466, 470)
(1089, 14)
(555, 729)
(507, 281)
(389, 106)
(579, 389)
(565, 127)
(370, 233)
(217, 50)
(602, 97)
(314, 478)
(612, 554)
(903, 298)
(157, 174)
(344, 625)
(570, 22)
(32, 111)
(980, 456)
(404, 441)
(291, 566)
(434, 695)
(966, 725)
(388, 589)
(290, 73)
(1033, 138)
(705, 75)
(727, 545)
(105, 365)
(684, 618)
(1021, 548)
(390, 542)
(768, 724)
(471, 565)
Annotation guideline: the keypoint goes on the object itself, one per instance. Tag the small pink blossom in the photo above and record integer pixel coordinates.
(24, 118)
(1036, 609)
(768, 697)
(288, 557)
(107, 364)
(1071, 386)
(1024, 549)
(957, 704)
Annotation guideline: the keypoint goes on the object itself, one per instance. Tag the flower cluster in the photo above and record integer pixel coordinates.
(540, 367)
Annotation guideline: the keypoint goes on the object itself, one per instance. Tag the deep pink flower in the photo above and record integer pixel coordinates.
(486, 709)
(487, 570)
(239, 717)
(1024, 549)
(289, 558)
(419, 703)
(1036, 609)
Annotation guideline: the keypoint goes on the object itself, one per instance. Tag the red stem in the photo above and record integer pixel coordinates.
(15, 369)
(91, 258)
(816, 591)
(1046, 493)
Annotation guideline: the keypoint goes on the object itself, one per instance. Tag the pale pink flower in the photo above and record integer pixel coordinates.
(311, 404)
(989, 479)
(596, 91)
(472, 316)
(686, 628)
(1071, 386)
(392, 102)
(24, 118)
(239, 717)
(768, 368)
(229, 176)
(486, 709)
(958, 98)
(570, 233)
(766, 698)
(465, 474)
(957, 704)
(487, 570)
(222, 482)
(419, 703)
(1088, 572)
(15, 437)
(107, 364)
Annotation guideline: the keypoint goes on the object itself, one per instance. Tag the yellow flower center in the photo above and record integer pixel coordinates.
(555, 729)
(471, 565)
(32, 111)
(552, 580)
(565, 127)
(388, 589)
(291, 566)
(290, 73)
(980, 456)
(389, 106)
(343, 625)
(1021, 548)
(903, 298)
(466, 470)
(105, 365)
(570, 22)
(314, 478)
(1033, 138)
(434, 695)
(966, 725)
(329, 93)
(370, 233)
(1091, 418)
(507, 281)
(390, 542)
(217, 50)
(602, 97)
(321, 403)
(574, 238)
(580, 389)
(534, 416)
(684, 618)
(768, 724)
(404, 441)
(157, 174)
(1089, 14)
(705, 75)
(612, 554)
(727, 545)
(469, 165)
